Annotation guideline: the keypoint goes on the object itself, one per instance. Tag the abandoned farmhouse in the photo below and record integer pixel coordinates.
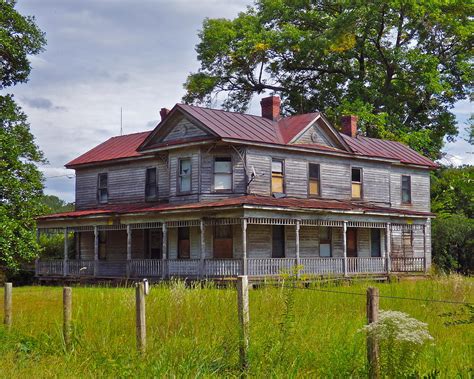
(214, 194)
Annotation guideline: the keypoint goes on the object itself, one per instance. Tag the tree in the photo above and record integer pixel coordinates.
(54, 204)
(20, 181)
(400, 66)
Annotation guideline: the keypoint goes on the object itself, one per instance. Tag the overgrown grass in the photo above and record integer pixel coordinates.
(193, 331)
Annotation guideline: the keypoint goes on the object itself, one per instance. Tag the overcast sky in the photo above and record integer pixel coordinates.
(106, 54)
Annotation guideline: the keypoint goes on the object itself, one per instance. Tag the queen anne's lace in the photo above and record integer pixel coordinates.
(399, 326)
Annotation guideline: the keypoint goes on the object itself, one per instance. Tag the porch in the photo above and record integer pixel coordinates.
(227, 247)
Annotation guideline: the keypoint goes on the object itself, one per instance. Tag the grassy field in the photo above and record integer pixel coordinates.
(193, 331)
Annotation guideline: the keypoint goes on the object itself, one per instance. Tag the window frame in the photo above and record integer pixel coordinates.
(282, 161)
(179, 176)
(371, 243)
(148, 197)
(409, 189)
(361, 182)
(231, 189)
(178, 250)
(101, 188)
(328, 241)
(309, 180)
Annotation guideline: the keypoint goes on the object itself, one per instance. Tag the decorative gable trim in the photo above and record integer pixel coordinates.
(177, 126)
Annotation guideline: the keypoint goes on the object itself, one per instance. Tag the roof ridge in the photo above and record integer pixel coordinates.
(226, 111)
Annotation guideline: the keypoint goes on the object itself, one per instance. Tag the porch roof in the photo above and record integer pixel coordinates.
(287, 203)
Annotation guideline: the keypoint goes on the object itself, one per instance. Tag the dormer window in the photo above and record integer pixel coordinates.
(277, 176)
(184, 180)
(102, 191)
(223, 174)
(356, 183)
(151, 188)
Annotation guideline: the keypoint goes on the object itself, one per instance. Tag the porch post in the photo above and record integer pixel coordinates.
(425, 263)
(165, 250)
(203, 249)
(297, 246)
(65, 268)
(38, 235)
(388, 238)
(244, 246)
(129, 248)
(344, 246)
(96, 250)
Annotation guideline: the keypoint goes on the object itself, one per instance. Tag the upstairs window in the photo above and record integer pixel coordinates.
(102, 191)
(184, 175)
(314, 181)
(151, 190)
(222, 174)
(356, 183)
(277, 176)
(406, 189)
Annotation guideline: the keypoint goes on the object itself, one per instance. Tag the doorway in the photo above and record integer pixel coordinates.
(351, 238)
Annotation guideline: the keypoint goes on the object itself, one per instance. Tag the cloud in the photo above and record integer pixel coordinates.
(41, 103)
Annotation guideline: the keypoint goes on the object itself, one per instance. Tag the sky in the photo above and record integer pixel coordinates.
(104, 55)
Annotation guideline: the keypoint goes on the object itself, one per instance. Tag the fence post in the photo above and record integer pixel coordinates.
(372, 345)
(141, 319)
(8, 306)
(67, 317)
(244, 319)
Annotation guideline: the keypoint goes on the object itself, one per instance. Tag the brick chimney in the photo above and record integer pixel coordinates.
(349, 125)
(271, 107)
(163, 113)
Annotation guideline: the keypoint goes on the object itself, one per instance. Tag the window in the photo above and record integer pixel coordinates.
(183, 243)
(223, 241)
(356, 183)
(102, 192)
(406, 189)
(222, 174)
(375, 250)
(278, 241)
(151, 190)
(314, 183)
(185, 175)
(325, 241)
(277, 177)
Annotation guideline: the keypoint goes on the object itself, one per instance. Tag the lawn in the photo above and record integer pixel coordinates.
(193, 331)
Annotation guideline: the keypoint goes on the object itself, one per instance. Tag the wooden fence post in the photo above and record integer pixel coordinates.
(8, 306)
(67, 317)
(372, 345)
(244, 319)
(141, 319)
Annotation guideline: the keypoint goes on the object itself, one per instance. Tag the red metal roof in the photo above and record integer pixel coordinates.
(114, 148)
(287, 203)
(244, 127)
(373, 147)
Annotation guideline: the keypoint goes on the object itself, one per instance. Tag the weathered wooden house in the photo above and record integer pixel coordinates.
(210, 193)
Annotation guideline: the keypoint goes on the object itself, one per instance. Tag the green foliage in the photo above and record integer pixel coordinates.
(453, 243)
(20, 181)
(54, 204)
(197, 336)
(400, 66)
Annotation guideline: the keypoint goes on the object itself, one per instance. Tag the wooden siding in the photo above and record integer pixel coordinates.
(182, 130)
(174, 157)
(420, 188)
(316, 134)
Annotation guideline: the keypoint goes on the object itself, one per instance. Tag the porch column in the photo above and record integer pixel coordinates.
(96, 250)
(244, 246)
(164, 253)
(65, 265)
(388, 238)
(425, 263)
(344, 246)
(129, 248)
(203, 249)
(38, 235)
(297, 246)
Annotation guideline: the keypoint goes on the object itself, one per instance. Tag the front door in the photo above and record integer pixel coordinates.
(351, 242)
(278, 241)
(184, 248)
(223, 241)
(155, 244)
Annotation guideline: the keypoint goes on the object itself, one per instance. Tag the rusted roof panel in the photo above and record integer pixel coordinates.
(288, 203)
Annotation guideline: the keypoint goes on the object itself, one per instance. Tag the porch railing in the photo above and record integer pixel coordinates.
(194, 268)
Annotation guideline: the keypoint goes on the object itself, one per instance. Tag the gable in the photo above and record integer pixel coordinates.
(318, 133)
(182, 130)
